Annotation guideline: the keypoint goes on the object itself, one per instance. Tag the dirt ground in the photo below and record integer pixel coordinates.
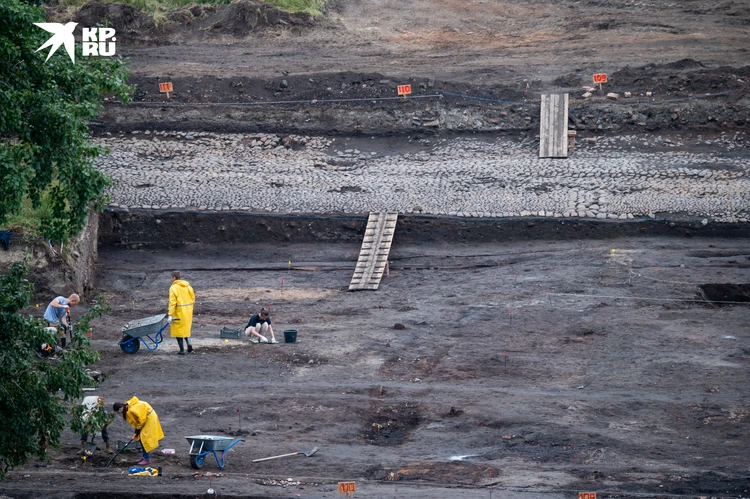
(479, 42)
(502, 51)
(529, 368)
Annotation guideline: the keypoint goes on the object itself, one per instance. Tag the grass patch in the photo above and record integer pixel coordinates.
(312, 7)
(27, 221)
(155, 7)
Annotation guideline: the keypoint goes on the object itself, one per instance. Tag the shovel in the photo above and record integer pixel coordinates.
(306, 454)
(118, 452)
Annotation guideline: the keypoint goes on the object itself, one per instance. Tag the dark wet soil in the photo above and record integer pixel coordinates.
(556, 371)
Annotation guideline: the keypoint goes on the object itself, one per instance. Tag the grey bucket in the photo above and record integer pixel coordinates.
(290, 335)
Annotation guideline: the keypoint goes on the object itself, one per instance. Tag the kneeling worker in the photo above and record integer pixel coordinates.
(259, 326)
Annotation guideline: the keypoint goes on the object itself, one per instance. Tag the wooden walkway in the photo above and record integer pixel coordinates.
(373, 257)
(553, 126)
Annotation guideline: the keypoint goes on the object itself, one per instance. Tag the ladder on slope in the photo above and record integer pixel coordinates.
(373, 256)
(553, 126)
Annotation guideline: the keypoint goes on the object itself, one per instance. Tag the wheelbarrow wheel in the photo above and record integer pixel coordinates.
(129, 345)
(196, 462)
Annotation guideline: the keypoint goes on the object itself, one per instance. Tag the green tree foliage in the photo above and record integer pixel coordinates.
(45, 150)
(91, 421)
(35, 393)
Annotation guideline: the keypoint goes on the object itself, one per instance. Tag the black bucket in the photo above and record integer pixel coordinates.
(290, 335)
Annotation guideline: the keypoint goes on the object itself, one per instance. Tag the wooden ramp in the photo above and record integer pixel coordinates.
(553, 126)
(373, 257)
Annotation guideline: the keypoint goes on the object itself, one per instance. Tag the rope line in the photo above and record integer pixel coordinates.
(429, 96)
(465, 96)
(632, 275)
(265, 103)
(650, 298)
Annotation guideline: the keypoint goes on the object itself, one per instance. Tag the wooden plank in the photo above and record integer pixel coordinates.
(373, 256)
(553, 126)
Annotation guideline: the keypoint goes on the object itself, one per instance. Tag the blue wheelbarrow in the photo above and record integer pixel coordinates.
(147, 331)
(202, 445)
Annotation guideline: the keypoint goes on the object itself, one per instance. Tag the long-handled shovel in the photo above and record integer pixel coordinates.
(118, 452)
(306, 454)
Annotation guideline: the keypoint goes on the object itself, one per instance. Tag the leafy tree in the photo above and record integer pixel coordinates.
(45, 150)
(35, 393)
(91, 421)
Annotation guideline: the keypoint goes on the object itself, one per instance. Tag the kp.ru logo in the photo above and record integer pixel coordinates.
(95, 41)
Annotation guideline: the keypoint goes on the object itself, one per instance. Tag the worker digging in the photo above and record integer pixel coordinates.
(142, 417)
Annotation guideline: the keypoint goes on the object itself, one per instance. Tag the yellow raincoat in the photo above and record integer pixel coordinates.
(142, 416)
(181, 301)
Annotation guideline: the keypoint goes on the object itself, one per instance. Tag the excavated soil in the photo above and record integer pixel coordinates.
(534, 367)
(685, 65)
(529, 367)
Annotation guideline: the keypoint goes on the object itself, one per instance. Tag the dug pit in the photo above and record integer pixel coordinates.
(390, 424)
(726, 294)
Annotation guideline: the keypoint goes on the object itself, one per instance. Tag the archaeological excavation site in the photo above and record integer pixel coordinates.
(509, 281)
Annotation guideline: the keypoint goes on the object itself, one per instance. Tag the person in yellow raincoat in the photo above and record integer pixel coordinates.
(181, 302)
(141, 416)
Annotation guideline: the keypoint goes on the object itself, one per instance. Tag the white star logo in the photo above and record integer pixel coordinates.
(62, 35)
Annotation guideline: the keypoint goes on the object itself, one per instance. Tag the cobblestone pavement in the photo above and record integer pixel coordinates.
(621, 177)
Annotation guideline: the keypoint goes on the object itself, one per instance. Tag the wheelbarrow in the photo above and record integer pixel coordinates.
(147, 331)
(202, 445)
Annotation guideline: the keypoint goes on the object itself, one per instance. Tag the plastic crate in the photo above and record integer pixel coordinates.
(231, 333)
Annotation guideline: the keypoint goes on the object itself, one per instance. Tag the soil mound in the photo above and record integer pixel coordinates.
(243, 16)
(192, 22)
(684, 64)
(125, 19)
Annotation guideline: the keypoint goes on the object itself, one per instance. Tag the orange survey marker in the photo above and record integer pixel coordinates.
(166, 88)
(404, 90)
(600, 78)
(347, 488)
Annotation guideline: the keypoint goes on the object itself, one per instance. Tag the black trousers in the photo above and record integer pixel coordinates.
(105, 435)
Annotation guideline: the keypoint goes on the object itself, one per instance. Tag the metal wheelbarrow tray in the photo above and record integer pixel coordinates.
(150, 328)
(202, 445)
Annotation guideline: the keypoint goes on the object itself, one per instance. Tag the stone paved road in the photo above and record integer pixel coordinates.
(620, 177)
